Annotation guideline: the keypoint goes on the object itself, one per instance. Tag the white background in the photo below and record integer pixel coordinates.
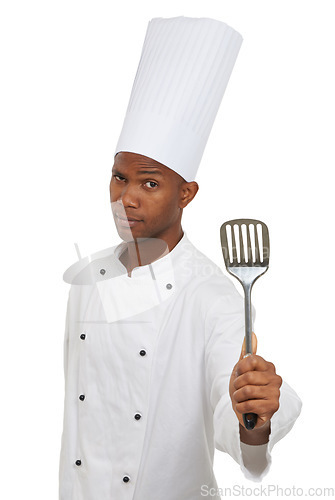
(67, 71)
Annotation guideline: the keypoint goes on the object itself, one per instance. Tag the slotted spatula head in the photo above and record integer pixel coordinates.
(245, 244)
(246, 251)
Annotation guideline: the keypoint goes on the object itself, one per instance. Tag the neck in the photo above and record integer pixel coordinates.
(144, 251)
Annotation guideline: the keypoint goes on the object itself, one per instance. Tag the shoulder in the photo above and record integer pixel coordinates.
(207, 282)
(90, 269)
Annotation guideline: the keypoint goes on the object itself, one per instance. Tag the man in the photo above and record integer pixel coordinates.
(156, 377)
(155, 212)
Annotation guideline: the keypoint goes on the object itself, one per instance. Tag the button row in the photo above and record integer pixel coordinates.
(137, 416)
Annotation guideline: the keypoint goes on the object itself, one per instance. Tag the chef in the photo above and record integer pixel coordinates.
(155, 372)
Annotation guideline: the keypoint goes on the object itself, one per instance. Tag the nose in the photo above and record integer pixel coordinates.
(129, 196)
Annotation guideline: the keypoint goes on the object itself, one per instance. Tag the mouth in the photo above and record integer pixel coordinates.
(126, 222)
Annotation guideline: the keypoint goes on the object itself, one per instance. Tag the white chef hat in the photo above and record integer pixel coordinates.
(183, 72)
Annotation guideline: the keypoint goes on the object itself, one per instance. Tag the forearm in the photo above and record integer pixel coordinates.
(256, 436)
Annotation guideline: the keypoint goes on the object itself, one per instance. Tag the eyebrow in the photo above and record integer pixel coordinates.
(141, 172)
(154, 172)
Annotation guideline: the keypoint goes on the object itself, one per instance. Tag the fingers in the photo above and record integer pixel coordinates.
(253, 362)
(255, 387)
(256, 392)
(264, 408)
(251, 378)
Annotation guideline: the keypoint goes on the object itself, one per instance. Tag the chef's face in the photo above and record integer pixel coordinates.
(150, 195)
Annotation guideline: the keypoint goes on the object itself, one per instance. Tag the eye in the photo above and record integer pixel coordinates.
(119, 176)
(151, 182)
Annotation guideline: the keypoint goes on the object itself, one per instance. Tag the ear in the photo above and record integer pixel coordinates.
(188, 190)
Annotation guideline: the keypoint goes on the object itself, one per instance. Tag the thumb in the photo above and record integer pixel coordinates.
(253, 344)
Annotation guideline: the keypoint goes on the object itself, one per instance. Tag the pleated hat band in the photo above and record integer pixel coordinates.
(182, 75)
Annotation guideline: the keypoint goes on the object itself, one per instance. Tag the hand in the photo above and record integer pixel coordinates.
(254, 387)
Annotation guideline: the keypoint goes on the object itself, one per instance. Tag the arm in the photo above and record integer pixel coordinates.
(224, 330)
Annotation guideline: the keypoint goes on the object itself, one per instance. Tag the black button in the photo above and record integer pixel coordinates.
(82, 397)
(126, 479)
(137, 416)
(169, 286)
(83, 336)
(142, 352)
(102, 271)
(78, 462)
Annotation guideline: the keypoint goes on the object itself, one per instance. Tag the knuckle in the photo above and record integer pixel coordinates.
(273, 407)
(271, 366)
(247, 391)
(248, 377)
(239, 407)
(273, 401)
(253, 361)
(238, 368)
(234, 398)
(247, 406)
(234, 370)
(276, 406)
(273, 391)
(262, 410)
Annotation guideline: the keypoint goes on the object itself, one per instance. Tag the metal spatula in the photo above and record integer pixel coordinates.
(246, 251)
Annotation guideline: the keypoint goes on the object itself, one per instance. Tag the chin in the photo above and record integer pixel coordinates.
(128, 234)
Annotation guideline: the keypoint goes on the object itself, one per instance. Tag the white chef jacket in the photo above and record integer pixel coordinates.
(147, 363)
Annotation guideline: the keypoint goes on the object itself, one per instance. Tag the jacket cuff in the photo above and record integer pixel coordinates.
(255, 461)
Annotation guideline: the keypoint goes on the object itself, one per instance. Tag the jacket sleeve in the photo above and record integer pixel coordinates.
(224, 333)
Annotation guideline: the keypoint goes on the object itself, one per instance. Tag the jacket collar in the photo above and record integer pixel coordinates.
(105, 264)
(160, 266)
